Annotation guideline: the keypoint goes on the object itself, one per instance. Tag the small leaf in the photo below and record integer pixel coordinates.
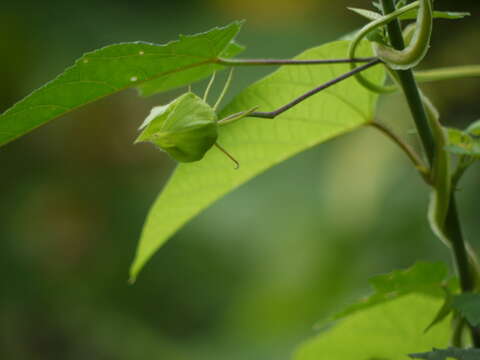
(117, 67)
(369, 14)
(450, 353)
(458, 150)
(463, 143)
(468, 305)
(384, 331)
(259, 144)
(427, 278)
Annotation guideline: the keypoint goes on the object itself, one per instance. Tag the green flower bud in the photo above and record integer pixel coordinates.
(186, 128)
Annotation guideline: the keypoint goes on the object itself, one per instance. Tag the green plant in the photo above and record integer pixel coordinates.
(412, 297)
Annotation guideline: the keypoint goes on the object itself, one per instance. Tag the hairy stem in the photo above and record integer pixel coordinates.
(452, 223)
(272, 114)
(255, 62)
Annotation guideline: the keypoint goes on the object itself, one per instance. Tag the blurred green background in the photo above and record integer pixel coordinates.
(251, 277)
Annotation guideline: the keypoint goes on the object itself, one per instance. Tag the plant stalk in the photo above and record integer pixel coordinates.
(452, 223)
(409, 86)
(460, 254)
(268, 62)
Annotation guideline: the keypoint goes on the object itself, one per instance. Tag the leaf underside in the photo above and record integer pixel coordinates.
(149, 67)
(259, 144)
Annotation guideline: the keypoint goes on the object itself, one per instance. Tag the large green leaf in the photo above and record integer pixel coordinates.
(387, 331)
(258, 144)
(117, 67)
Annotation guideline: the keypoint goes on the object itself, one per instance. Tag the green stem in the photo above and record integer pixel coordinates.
(458, 325)
(409, 86)
(460, 254)
(269, 62)
(452, 223)
(447, 73)
(454, 232)
(431, 75)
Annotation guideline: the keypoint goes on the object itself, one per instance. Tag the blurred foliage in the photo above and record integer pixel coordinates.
(250, 277)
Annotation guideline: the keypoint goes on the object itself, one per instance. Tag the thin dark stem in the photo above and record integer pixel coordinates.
(452, 222)
(267, 62)
(412, 155)
(272, 114)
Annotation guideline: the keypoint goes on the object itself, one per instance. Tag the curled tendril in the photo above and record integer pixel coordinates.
(396, 59)
(408, 32)
(418, 46)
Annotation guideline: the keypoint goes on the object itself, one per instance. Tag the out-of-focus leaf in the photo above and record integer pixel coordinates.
(117, 67)
(468, 304)
(474, 128)
(463, 143)
(259, 144)
(386, 331)
(447, 354)
(427, 278)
